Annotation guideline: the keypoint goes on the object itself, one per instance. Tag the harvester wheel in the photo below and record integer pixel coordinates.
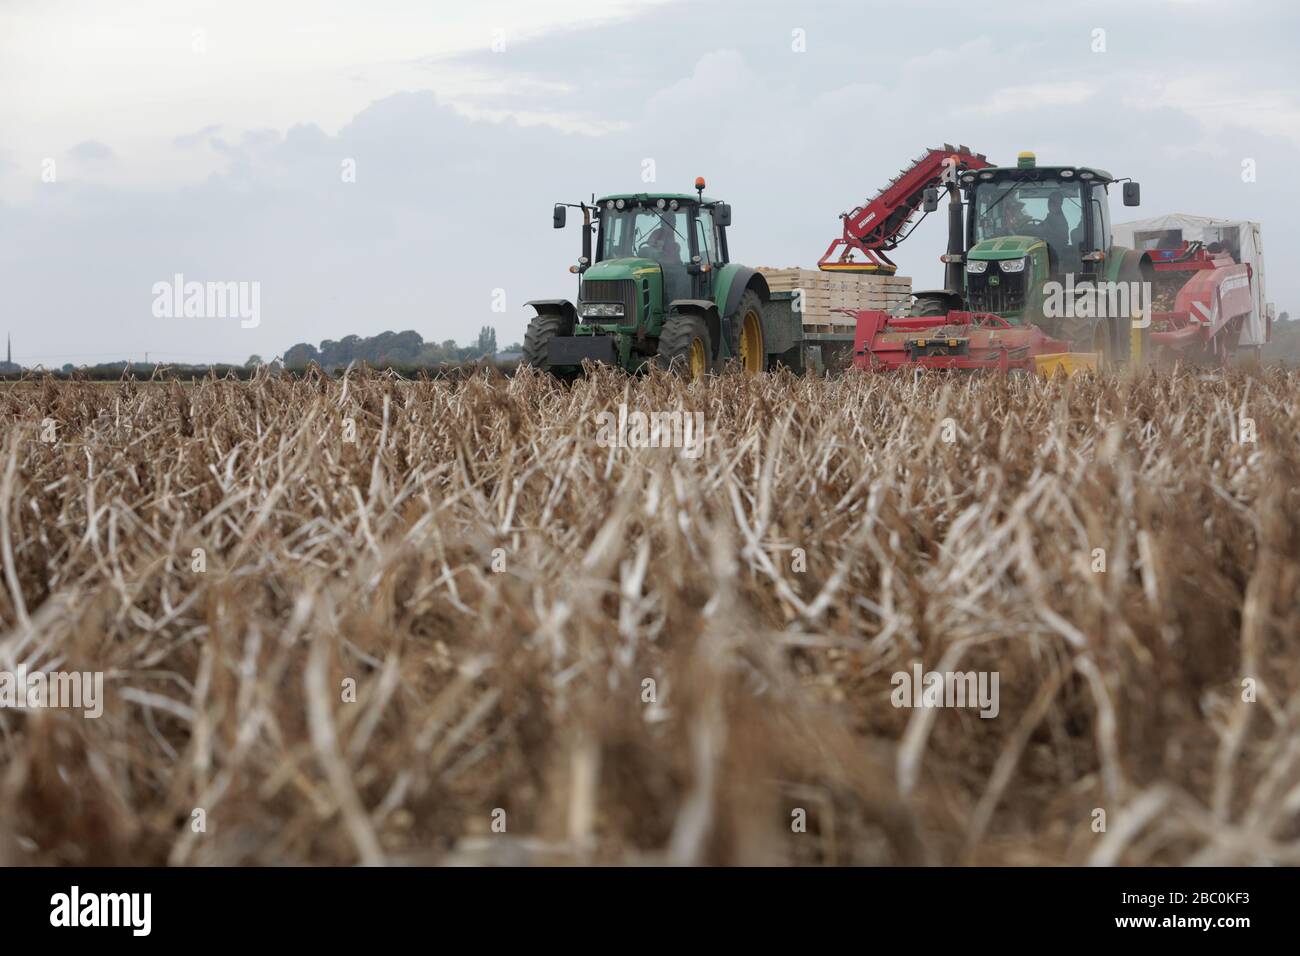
(924, 306)
(747, 342)
(537, 339)
(684, 346)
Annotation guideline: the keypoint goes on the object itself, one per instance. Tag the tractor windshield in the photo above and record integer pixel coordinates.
(1050, 209)
(648, 232)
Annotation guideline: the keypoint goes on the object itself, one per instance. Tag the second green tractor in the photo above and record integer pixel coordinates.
(657, 285)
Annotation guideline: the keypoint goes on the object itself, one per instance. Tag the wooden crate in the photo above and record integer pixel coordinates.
(824, 292)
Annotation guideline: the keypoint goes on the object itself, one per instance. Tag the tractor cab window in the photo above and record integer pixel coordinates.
(706, 237)
(1100, 209)
(646, 232)
(1048, 209)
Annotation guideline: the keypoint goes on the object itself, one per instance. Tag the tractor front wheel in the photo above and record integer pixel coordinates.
(684, 346)
(537, 339)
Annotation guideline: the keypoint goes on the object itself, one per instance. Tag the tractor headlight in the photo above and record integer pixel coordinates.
(977, 266)
(1012, 265)
(601, 310)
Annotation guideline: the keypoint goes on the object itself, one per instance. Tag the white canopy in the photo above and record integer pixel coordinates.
(1240, 236)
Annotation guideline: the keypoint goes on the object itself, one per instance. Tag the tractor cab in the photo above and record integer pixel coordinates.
(1028, 224)
(683, 236)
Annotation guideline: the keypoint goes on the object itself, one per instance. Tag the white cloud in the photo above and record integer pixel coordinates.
(565, 122)
(717, 80)
(137, 74)
(950, 66)
(92, 151)
(1220, 102)
(1013, 99)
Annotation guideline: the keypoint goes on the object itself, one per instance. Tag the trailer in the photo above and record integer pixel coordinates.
(792, 344)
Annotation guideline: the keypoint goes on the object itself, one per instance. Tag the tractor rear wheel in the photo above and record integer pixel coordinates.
(747, 342)
(537, 339)
(1132, 339)
(1091, 335)
(684, 346)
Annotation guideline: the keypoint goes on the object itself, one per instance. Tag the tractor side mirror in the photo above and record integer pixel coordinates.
(931, 200)
(557, 218)
(1132, 194)
(722, 214)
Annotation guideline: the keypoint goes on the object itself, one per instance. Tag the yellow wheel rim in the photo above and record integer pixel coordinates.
(751, 344)
(697, 359)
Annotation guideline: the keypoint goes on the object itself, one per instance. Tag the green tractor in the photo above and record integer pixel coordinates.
(1036, 236)
(660, 287)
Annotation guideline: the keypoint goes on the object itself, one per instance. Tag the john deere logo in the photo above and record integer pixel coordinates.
(994, 280)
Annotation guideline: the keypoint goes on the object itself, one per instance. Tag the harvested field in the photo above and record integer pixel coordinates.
(501, 587)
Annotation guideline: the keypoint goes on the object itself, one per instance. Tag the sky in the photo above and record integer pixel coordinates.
(392, 165)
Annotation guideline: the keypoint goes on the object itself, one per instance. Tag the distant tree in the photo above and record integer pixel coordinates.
(349, 346)
(69, 367)
(373, 350)
(487, 342)
(253, 361)
(404, 349)
(301, 355)
(401, 349)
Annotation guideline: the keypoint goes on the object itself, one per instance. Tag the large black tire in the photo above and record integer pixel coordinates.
(926, 306)
(748, 309)
(537, 340)
(1093, 335)
(684, 346)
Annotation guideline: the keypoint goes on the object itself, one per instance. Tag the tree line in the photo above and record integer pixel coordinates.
(399, 349)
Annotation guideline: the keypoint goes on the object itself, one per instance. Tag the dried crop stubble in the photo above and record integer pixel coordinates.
(523, 690)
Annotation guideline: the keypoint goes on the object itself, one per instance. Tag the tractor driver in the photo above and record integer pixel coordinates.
(1014, 219)
(1054, 228)
(662, 247)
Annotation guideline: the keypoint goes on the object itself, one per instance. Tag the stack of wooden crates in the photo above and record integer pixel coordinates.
(824, 292)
